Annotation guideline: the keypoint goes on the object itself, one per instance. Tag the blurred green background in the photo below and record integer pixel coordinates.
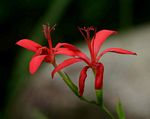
(24, 19)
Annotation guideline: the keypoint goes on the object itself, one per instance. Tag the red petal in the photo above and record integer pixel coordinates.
(66, 51)
(64, 64)
(67, 45)
(100, 37)
(28, 44)
(35, 63)
(69, 52)
(82, 78)
(116, 50)
(99, 76)
(72, 48)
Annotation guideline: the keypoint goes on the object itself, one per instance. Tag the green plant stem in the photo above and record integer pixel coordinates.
(68, 81)
(88, 101)
(108, 112)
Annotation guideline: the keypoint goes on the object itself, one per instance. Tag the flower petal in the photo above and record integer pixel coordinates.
(28, 44)
(67, 45)
(74, 53)
(82, 78)
(66, 51)
(99, 76)
(70, 50)
(64, 64)
(35, 63)
(100, 37)
(116, 50)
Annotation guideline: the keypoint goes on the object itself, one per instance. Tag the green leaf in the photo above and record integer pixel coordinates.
(120, 111)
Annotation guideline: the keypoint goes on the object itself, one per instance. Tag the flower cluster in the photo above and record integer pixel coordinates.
(94, 43)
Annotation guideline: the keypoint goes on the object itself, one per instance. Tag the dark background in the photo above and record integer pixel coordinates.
(24, 18)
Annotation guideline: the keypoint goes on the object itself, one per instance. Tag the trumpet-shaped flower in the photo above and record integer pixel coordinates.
(43, 53)
(94, 45)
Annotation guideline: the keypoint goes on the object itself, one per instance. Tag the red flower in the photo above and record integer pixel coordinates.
(43, 53)
(94, 46)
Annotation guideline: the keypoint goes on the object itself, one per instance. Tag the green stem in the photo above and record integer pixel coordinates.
(99, 95)
(68, 81)
(108, 112)
(88, 101)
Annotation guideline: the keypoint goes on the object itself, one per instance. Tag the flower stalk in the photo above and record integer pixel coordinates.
(108, 112)
(68, 81)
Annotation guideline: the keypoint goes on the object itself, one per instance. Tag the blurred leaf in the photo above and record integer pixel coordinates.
(98, 7)
(126, 13)
(120, 111)
(38, 115)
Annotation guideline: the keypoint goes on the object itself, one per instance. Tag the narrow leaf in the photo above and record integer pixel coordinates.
(120, 111)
